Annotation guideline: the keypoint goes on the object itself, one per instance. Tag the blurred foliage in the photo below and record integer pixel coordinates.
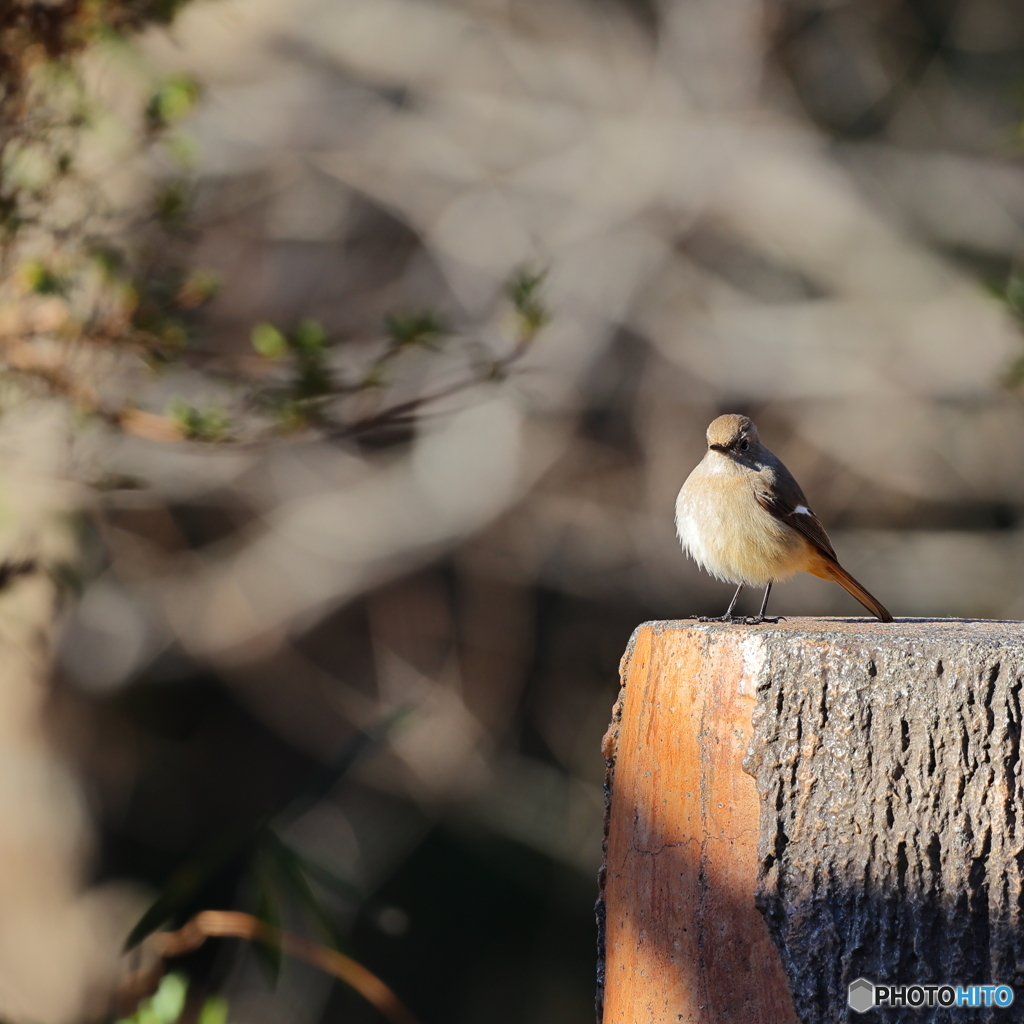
(264, 864)
(61, 235)
(129, 283)
(172, 101)
(43, 95)
(305, 396)
(209, 424)
(171, 203)
(41, 279)
(524, 290)
(314, 378)
(142, 295)
(198, 287)
(214, 1011)
(405, 329)
(165, 1006)
(272, 875)
(269, 341)
(1013, 295)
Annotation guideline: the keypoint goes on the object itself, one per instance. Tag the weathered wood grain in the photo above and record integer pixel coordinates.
(683, 940)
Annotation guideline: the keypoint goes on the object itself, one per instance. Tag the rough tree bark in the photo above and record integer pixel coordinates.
(887, 760)
(889, 795)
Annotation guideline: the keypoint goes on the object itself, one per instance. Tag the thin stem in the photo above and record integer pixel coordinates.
(234, 924)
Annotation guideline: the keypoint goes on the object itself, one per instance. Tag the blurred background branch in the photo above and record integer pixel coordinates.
(353, 353)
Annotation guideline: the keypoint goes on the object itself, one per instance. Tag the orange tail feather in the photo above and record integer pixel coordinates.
(834, 571)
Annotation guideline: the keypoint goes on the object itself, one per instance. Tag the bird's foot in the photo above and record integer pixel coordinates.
(736, 620)
(739, 620)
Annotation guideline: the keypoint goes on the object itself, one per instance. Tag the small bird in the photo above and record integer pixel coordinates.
(742, 517)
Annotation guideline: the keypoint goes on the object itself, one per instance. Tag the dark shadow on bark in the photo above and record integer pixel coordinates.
(891, 843)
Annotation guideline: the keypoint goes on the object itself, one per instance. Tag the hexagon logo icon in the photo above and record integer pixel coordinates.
(861, 995)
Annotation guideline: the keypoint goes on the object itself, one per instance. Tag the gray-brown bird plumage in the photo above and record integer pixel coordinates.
(742, 517)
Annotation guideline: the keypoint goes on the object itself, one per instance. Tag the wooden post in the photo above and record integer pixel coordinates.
(683, 939)
(880, 832)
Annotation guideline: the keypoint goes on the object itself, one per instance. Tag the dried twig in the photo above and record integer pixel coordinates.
(402, 412)
(234, 924)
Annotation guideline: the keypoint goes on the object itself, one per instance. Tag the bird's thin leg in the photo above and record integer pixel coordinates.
(764, 604)
(732, 604)
(727, 617)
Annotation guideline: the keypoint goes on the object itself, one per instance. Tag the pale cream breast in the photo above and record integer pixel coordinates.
(725, 531)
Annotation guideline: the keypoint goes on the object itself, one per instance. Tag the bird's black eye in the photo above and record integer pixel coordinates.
(744, 445)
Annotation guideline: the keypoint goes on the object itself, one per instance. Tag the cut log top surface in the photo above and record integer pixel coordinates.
(995, 630)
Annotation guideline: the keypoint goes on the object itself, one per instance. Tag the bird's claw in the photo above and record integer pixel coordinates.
(737, 620)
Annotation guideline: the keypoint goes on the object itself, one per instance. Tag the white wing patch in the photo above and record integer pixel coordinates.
(803, 510)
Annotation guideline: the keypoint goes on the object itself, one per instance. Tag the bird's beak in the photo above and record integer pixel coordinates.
(717, 447)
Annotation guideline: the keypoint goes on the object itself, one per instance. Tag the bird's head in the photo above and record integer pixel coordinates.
(734, 435)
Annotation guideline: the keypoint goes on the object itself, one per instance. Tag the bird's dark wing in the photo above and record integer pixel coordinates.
(777, 491)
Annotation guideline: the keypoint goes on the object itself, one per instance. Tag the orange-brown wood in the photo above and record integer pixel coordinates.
(684, 942)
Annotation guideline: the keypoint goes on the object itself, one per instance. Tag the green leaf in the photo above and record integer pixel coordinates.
(1015, 294)
(210, 424)
(267, 909)
(165, 1005)
(186, 883)
(43, 280)
(408, 329)
(198, 287)
(314, 376)
(269, 341)
(214, 1011)
(171, 203)
(292, 869)
(111, 261)
(172, 101)
(169, 999)
(523, 288)
(309, 335)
